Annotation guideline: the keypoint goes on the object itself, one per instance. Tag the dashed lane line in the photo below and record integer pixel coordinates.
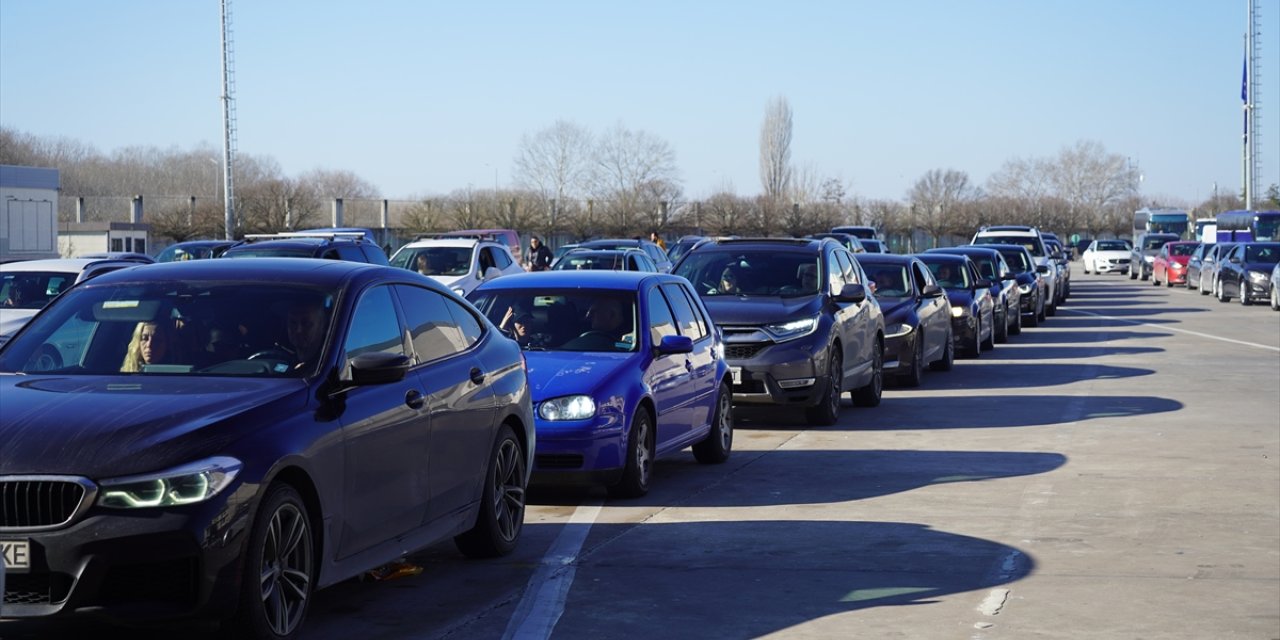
(1167, 328)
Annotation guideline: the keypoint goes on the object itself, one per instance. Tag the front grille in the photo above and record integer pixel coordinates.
(1119, 261)
(743, 351)
(558, 460)
(750, 386)
(167, 581)
(36, 588)
(27, 503)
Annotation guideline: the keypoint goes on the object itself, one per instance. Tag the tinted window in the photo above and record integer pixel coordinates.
(1030, 243)
(835, 275)
(501, 258)
(432, 328)
(753, 272)
(1264, 254)
(703, 325)
(660, 320)
(374, 327)
(950, 275)
(685, 317)
(1111, 245)
(465, 321)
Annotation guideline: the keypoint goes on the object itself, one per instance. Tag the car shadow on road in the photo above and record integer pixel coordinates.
(908, 413)
(750, 579)
(1044, 352)
(1127, 312)
(992, 374)
(1085, 335)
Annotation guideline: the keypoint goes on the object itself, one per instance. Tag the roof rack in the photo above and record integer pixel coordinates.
(453, 235)
(287, 235)
(796, 241)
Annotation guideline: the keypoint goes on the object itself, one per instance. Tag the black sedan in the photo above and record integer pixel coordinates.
(223, 437)
(973, 318)
(917, 316)
(1246, 272)
(1005, 294)
(1033, 287)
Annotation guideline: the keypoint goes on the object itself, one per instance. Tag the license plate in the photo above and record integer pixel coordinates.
(17, 554)
(736, 372)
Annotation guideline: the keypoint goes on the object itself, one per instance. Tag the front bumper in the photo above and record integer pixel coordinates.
(964, 331)
(788, 373)
(1256, 290)
(135, 565)
(1110, 265)
(899, 352)
(574, 452)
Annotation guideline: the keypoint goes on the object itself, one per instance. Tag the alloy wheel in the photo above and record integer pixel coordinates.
(286, 569)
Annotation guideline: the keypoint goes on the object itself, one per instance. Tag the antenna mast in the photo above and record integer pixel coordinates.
(228, 122)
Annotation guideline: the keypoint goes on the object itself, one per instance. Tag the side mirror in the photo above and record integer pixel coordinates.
(675, 344)
(1235, 260)
(931, 291)
(983, 284)
(1008, 276)
(378, 368)
(1044, 268)
(852, 293)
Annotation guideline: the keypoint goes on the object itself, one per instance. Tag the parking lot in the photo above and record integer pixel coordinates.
(1112, 473)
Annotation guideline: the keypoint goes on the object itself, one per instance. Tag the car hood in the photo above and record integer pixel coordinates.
(760, 310)
(12, 319)
(562, 373)
(451, 281)
(960, 297)
(104, 426)
(896, 309)
(1182, 260)
(1111, 255)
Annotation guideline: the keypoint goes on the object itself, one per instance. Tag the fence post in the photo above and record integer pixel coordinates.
(135, 210)
(79, 209)
(191, 210)
(337, 212)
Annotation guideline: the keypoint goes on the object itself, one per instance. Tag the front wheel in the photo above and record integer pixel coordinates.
(501, 517)
(1244, 295)
(915, 375)
(827, 411)
(715, 448)
(636, 474)
(1220, 290)
(1275, 298)
(1016, 329)
(280, 569)
(990, 342)
(869, 394)
(948, 359)
(1002, 326)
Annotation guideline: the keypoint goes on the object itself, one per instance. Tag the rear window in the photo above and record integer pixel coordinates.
(1027, 242)
(1182, 249)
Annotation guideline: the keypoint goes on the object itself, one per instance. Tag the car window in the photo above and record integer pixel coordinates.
(1262, 254)
(755, 272)
(375, 327)
(654, 251)
(465, 321)
(661, 322)
(950, 275)
(566, 320)
(835, 274)
(500, 257)
(847, 271)
(920, 276)
(685, 316)
(704, 325)
(432, 328)
(890, 280)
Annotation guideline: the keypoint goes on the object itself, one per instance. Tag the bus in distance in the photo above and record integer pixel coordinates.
(1248, 226)
(1147, 220)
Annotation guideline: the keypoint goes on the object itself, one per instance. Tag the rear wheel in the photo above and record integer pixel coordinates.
(716, 446)
(1002, 326)
(501, 517)
(635, 475)
(869, 394)
(828, 410)
(1133, 274)
(948, 360)
(915, 375)
(1200, 286)
(990, 342)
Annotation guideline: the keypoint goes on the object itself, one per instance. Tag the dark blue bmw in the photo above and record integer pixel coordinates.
(219, 438)
(624, 367)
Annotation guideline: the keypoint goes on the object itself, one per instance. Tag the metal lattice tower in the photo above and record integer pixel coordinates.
(1252, 109)
(228, 122)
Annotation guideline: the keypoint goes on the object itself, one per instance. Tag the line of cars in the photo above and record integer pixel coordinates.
(219, 438)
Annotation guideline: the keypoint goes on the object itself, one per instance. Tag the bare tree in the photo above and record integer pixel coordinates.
(937, 199)
(775, 150)
(634, 172)
(1089, 179)
(555, 163)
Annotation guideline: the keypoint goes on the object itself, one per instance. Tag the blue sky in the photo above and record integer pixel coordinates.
(426, 97)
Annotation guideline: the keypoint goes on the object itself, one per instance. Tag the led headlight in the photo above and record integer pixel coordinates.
(195, 482)
(958, 312)
(790, 330)
(1024, 288)
(567, 408)
(1258, 276)
(897, 330)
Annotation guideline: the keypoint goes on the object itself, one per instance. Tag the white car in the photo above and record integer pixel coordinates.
(1030, 238)
(1106, 256)
(458, 263)
(27, 286)
(1275, 287)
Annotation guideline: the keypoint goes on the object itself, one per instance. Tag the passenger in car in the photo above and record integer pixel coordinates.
(152, 343)
(729, 281)
(305, 327)
(221, 344)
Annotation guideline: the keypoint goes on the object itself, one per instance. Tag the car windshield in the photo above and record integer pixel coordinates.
(1151, 244)
(177, 328)
(270, 252)
(752, 273)
(178, 252)
(1262, 254)
(32, 289)
(950, 275)
(584, 261)
(1022, 241)
(678, 249)
(1017, 260)
(563, 320)
(1182, 249)
(888, 280)
(1112, 245)
(435, 261)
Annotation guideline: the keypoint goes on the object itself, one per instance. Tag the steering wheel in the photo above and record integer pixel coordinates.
(47, 358)
(599, 334)
(273, 353)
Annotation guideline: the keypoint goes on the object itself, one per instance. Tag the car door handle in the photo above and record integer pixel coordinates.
(477, 376)
(414, 399)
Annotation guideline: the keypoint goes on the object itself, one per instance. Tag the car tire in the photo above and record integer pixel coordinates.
(990, 343)
(974, 349)
(826, 412)
(948, 359)
(1043, 313)
(1220, 290)
(636, 474)
(1033, 318)
(1016, 329)
(914, 376)
(1051, 309)
(280, 611)
(1133, 274)
(1275, 297)
(869, 394)
(1244, 295)
(502, 505)
(1002, 334)
(1200, 286)
(715, 448)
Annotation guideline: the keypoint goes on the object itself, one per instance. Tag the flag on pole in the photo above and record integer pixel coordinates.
(1244, 83)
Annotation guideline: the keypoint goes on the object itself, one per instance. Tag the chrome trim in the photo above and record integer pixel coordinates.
(87, 500)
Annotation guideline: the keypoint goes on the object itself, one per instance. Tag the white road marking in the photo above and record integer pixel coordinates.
(548, 589)
(1167, 328)
(994, 602)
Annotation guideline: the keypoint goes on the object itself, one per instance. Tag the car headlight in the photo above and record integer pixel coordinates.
(195, 482)
(1177, 266)
(460, 291)
(1024, 288)
(1258, 276)
(1148, 258)
(897, 330)
(567, 408)
(792, 329)
(958, 312)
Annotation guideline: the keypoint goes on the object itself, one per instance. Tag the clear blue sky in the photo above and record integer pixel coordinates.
(422, 97)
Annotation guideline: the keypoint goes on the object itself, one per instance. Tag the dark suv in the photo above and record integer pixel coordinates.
(799, 326)
(352, 246)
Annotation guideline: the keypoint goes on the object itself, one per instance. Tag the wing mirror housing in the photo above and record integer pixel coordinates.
(852, 293)
(983, 284)
(931, 291)
(379, 368)
(675, 344)
(1044, 268)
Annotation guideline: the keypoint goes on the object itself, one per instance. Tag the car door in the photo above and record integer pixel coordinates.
(930, 310)
(691, 322)
(860, 330)
(385, 436)
(1233, 271)
(460, 406)
(667, 376)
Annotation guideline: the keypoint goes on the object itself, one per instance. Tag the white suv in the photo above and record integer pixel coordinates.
(458, 263)
(1030, 238)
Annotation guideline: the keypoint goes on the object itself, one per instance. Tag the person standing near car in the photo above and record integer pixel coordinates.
(540, 256)
(657, 239)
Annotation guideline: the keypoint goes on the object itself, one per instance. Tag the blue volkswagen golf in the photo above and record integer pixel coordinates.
(624, 367)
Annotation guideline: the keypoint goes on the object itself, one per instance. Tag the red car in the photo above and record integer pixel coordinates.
(1170, 265)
